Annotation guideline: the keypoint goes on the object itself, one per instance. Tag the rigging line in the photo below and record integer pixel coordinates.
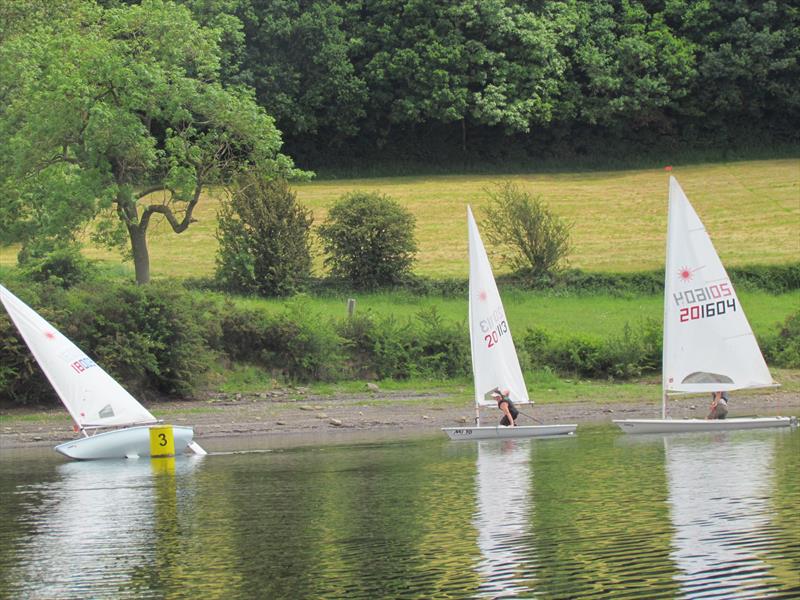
(530, 417)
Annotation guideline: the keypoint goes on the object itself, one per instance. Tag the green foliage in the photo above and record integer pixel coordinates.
(152, 338)
(390, 348)
(783, 349)
(299, 55)
(533, 240)
(632, 353)
(60, 264)
(21, 380)
(263, 236)
(776, 279)
(369, 239)
(105, 107)
(295, 344)
(418, 85)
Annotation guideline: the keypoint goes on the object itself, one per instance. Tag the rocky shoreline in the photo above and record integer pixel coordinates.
(319, 419)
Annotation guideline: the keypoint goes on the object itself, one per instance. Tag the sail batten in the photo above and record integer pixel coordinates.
(494, 357)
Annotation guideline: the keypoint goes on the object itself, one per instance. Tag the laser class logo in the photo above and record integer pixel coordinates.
(686, 274)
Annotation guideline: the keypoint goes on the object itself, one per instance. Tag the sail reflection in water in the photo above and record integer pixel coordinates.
(503, 515)
(101, 528)
(719, 491)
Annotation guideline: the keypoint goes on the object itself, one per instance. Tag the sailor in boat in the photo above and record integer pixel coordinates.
(504, 403)
(719, 406)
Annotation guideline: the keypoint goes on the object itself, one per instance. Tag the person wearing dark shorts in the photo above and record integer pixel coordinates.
(719, 406)
(504, 403)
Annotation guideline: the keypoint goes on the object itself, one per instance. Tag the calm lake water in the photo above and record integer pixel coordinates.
(598, 515)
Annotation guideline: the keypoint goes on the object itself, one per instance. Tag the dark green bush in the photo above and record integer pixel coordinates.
(296, 344)
(776, 279)
(150, 337)
(263, 236)
(369, 240)
(443, 347)
(380, 348)
(21, 379)
(632, 353)
(783, 348)
(386, 348)
(62, 264)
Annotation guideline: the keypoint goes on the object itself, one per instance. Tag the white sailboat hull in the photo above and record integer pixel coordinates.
(500, 432)
(130, 442)
(689, 425)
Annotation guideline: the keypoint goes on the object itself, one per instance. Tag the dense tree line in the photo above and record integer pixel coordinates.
(488, 78)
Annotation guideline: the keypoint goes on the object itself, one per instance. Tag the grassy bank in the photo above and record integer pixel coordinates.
(598, 316)
(751, 210)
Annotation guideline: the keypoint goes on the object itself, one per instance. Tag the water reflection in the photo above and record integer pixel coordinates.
(503, 515)
(719, 492)
(100, 527)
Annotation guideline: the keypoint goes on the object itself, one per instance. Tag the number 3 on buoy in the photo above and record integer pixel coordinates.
(162, 441)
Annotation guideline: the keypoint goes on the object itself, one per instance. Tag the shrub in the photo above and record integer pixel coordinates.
(632, 353)
(295, 344)
(369, 240)
(263, 236)
(531, 239)
(149, 337)
(776, 279)
(444, 347)
(783, 349)
(60, 263)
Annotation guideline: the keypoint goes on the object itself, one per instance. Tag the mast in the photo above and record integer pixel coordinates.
(667, 266)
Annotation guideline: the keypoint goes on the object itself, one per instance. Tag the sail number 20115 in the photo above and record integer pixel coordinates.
(493, 336)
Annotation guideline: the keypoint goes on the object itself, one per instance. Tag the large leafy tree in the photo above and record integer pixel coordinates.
(119, 115)
(480, 62)
(748, 63)
(626, 64)
(299, 55)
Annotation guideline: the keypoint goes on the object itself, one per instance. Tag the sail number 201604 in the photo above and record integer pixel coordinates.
(712, 309)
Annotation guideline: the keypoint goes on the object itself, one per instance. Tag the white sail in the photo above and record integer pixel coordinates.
(494, 358)
(92, 397)
(708, 343)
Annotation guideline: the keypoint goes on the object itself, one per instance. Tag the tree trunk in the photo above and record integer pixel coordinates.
(141, 256)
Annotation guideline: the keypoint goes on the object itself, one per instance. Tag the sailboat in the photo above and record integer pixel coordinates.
(708, 344)
(113, 423)
(494, 358)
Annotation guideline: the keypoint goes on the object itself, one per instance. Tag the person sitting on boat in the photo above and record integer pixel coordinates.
(504, 403)
(719, 406)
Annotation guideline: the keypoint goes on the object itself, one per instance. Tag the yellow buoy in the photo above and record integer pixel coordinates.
(162, 441)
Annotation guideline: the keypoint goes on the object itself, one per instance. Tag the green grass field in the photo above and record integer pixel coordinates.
(599, 316)
(751, 209)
